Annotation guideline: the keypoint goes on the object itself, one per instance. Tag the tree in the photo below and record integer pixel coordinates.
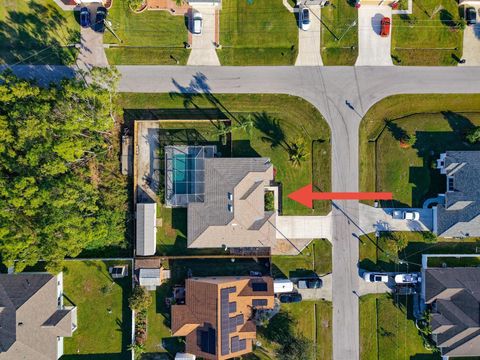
(222, 131)
(246, 124)
(60, 188)
(473, 135)
(297, 152)
(140, 299)
(297, 347)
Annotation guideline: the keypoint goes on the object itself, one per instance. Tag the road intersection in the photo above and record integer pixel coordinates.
(342, 95)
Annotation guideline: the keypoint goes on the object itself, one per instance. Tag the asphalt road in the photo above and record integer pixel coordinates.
(342, 95)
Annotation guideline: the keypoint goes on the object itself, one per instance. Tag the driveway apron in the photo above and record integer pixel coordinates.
(309, 41)
(203, 45)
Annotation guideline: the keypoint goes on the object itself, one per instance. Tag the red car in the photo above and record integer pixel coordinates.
(385, 31)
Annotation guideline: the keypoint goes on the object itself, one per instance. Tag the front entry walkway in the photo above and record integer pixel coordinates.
(203, 45)
(309, 41)
(373, 49)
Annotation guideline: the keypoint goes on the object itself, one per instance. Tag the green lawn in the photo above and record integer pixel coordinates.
(152, 37)
(104, 318)
(159, 338)
(429, 36)
(437, 121)
(310, 319)
(36, 32)
(339, 35)
(387, 329)
(377, 255)
(258, 32)
(316, 257)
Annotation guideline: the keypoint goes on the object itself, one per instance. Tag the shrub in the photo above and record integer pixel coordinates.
(135, 5)
(473, 136)
(269, 201)
(140, 299)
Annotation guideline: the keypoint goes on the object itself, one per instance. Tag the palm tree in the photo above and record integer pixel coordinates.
(222, 131)
(246, 124)
(297, 152)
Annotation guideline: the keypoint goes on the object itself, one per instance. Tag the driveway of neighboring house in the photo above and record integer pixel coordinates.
(203, 45)
(91, 46)
(471, 45)
(304, 227)
(373, 219)
(324, 293)
(309, 41)
(372, 48)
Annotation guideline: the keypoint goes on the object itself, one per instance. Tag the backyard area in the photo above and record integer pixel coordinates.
(311, 320)
(432, 35)
(278, 124)
(388, 331)
(259, 32)
(339, 33)
(402, 136)
(103, 311)
(37, 32)
(316, 258)
(152, 37)
(386, 252)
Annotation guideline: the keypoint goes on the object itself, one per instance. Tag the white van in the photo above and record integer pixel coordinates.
(282, 286)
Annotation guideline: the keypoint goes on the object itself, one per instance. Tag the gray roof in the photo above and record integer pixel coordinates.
(146, 229)
(223, 176)
(460, 216)
(30, 320)
(454, 294)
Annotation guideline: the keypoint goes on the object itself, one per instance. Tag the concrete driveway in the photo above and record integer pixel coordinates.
(471, 45)
(380, 219)
(324, 293)
(304, 227)
(91, 45)
(203, 45)
(309, 41)
(372, 48)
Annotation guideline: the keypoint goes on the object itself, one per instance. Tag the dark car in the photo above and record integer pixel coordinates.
(310, 283)
(99, 25)
(290, 298)
(85, 17)
(471, 16)
(385, 29)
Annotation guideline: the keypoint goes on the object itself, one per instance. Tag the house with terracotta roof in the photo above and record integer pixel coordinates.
(216, 319)
(33, 319)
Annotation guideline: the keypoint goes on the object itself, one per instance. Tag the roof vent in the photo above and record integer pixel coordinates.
(230, 196)
(230, 208)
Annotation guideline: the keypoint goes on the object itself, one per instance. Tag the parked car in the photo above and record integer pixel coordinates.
(375, 277)
(312, 283)
(99, 25)
(197, 23)
(304, 19)
(471, 16)
(85, 17)
(412, 278)
(290, 298)
(411, 215)
(385, 30)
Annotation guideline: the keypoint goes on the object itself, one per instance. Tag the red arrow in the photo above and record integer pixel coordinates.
(305, 196)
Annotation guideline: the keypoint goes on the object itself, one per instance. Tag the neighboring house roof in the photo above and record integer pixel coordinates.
(454, 294)
(216, 316)
(460, 216)
(30, 318)
(232, 213)
(146, 229)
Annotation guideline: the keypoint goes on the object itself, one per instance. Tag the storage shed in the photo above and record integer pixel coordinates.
(146, 237)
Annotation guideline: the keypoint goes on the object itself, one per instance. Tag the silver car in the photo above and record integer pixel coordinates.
(304, 19)
(197, 23)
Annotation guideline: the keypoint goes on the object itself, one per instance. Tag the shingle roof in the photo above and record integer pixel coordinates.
(241, 221)
(30, 320)
(455, 297)
(146, 229)
(461, 214)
